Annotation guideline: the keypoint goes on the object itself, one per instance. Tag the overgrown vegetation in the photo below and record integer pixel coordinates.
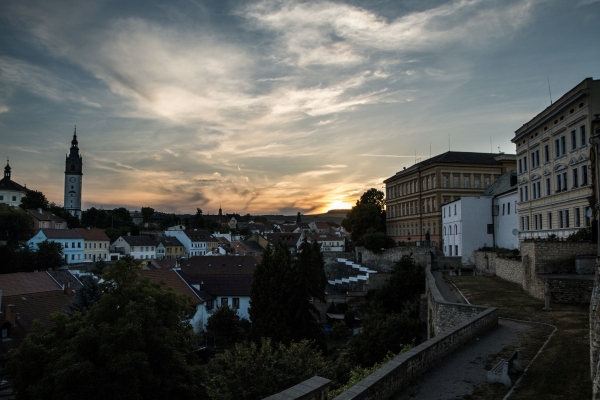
(501, 251)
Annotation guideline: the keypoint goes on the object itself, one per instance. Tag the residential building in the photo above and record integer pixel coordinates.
(291, 239)
(319, 227)
(71, 240)
(169, 247)
(553, 153)
(196, 242)
(138, 247)
(11, 192)
(73, 178)
(42, 219)
(328, 243)
(472, 222)
(96, 244)
(414, 196)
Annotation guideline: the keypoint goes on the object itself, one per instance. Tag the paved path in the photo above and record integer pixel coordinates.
(459, 373)
(447, 293)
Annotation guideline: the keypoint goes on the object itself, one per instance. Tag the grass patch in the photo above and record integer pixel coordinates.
(562, 370)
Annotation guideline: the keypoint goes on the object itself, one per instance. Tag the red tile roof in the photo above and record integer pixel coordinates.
(21, 283)
(61, 233)
(40, 306)
(172, 279)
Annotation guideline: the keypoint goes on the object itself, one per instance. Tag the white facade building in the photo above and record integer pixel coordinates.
(72, 243)
(138, 247)
(506, 224)
(73, 179)
(11, 192)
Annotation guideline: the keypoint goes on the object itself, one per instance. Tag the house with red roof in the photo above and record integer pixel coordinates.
(71, 240)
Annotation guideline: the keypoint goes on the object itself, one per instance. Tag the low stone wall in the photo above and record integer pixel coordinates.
(386, 259)
(555, 257)
(332, 256)
(471, 321)
(405, 368)
(449, 262)
(315, 388)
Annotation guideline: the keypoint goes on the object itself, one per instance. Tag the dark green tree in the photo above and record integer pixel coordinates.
(281, 293)
(298, 218)
(377, 241)
(87, 296)
(199, 219)
(49, 255)
(252, 371)
(34, 200)
(403, 289)
(72, 221)
(367, 216)
(15, 225)
(147, 212)
(226, 325)
(135, 343)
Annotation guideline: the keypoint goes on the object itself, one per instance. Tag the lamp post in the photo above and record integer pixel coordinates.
(595, 140)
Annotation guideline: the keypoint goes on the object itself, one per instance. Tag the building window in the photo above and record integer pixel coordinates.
(14, 198)
(573, 139)
(522, 223)
(582, 135)
(525, 164)
(575, 178)
(546, 154)
(586, 219)
(508, 208)
(503, 208)
(455, 209)
(577, 216)
(525, 194)
(210, 304)
(456, 250)
(224, 301)
(520, 166)
(527, 222)
(477, 182)
(487, 182)
(548, 187)
(5, 333)
(490, 229)
(535, 159)
(549, 220)
(561, 221)
(467, 182)
(456, 181)
(566, 218)
(66, 245)
(560, 147)
(584, 175)
(235, 303)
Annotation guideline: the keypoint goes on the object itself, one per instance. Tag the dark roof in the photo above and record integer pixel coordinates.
(42, 215)
(253, 246)
(172, 279)
(502, 185)
(165, 263)
(65, 277)
(32, 306)
(170, 241)
(221, 285)
(219, 265)
(20, 283)
(456, 157)
(61, 234)
(200, 236)
(7, 184)
(93, 234)
(287, 238)
(139, 240)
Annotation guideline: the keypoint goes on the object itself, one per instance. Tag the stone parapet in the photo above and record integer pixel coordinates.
(386, 259)
(315, 388)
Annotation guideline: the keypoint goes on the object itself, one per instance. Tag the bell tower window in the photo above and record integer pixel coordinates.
(72, 167)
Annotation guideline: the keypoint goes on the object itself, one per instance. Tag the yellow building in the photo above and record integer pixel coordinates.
(414, 195)
(553, 158)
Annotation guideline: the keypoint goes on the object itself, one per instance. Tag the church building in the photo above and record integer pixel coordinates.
(11, 192)
(73, 179)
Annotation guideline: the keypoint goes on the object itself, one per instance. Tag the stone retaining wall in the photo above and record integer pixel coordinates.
(570, 291)
(315, 388)
(385, 260)
(509, 270)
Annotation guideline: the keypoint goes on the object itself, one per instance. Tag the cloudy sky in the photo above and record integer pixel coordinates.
(273, 106)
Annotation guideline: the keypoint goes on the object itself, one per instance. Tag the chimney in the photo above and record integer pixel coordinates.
(11, 314)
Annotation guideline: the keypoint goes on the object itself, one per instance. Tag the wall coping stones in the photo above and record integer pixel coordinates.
(572, 277)
(314, 388)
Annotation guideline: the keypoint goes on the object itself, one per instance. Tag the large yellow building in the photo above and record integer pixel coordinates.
(553, 157)
(414, 195)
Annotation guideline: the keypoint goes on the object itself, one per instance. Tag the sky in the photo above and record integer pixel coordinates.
(273, 106)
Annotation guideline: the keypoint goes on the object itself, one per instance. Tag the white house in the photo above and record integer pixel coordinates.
(326, 242)
(477, 221)
(11, 192)
(138, 247)
(196, 242)
(72, 243)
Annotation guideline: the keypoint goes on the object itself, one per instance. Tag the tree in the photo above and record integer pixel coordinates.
(199, 219)
(298, 218)
(87, 296)
(135, 343)
(367, 216)
(404, 287)
(72, 221)
(252, 371)
(15, 224)
(281, 293)
(147, 212)
(227, 326)
(377, 241)
(34, 200)
(49, 255)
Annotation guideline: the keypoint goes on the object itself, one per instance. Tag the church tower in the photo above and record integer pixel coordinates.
(73, 178)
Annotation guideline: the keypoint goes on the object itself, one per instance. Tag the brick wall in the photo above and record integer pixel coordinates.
(569, 290)
(555, 257)
(510, 270)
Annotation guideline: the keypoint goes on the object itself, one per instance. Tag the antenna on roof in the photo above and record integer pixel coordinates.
(549, 91)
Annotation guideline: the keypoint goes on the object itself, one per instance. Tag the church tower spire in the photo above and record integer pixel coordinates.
(73, 178)
(7, 170)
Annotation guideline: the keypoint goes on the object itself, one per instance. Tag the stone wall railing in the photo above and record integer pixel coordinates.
(471, 322)
(385, 260)
(315, 388)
